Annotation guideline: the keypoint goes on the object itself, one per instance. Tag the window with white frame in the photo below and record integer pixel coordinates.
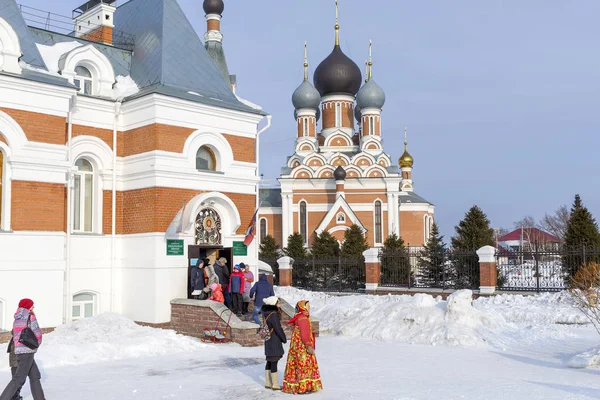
(428, 227)
(303, 222)
(371, 125)
(83, 196)
(378, 217)
(83, 80)
(338, 114)
(205, 159)
(341, 218)
(305, 127)
(263, 229)
(84, 305)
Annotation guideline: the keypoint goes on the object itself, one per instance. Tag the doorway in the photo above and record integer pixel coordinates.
(213, 253)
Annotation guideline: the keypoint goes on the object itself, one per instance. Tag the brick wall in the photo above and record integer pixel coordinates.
(106, 135)
(38, 206)
(2, 139)
(103, 34)
(412, 227)
(40, 127)
(243, 148)
(107, 212)
(274, 226)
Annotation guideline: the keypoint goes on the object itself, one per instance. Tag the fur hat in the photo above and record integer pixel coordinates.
(271, 301)
(26, 303)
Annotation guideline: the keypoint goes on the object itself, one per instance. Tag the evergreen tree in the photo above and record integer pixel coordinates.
(268, 250)
(325, 245)
(355, 242)
(295, 247)
(395, 262)
(472, 233)
(431, 261)
(581, 234)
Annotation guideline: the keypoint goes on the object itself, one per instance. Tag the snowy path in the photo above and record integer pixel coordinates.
(351, 368)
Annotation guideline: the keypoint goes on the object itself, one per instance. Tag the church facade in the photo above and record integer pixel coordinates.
(125, 154)
(339, 173)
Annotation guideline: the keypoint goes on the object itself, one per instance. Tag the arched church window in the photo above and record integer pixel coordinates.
(83, 195)
(263, 229)
(338, 114)
(83, 80)
(205, 159)
(371, 125)
(305, 127)
(208, 227)
(303, 222)
(378, 230)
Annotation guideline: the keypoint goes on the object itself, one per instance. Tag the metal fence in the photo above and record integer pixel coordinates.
(415, 267)
(336, 274)
(541, 269)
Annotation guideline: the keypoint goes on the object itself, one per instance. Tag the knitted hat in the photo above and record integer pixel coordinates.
(236, 266)
(271, 301)
(242, 265)
(26, 303)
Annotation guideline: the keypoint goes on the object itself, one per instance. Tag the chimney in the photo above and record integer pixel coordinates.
(94, 21)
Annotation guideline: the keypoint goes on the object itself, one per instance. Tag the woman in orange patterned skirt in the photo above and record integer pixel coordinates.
(302, 370)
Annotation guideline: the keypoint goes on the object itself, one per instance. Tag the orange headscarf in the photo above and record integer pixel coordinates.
(301, 311)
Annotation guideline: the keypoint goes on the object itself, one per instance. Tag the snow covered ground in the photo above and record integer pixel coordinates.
(373, 347)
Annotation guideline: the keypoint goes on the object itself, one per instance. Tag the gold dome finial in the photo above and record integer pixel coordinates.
(305, 63)
(337, 26)
(406, 160)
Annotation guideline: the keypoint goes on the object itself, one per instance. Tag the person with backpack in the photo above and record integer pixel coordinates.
(236, 288)
(27, 337)
(12, 363)
(260, 291)
(274, 336)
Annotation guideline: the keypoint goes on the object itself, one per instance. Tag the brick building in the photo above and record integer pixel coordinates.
(339, 173)
(123, 150)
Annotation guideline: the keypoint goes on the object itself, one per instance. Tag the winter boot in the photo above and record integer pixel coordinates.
(275, 381)
(268, 383)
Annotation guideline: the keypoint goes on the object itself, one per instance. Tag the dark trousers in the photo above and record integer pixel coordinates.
(226, 295)
(238, 302)
(17, 396)
(271, 366)
(26, 368)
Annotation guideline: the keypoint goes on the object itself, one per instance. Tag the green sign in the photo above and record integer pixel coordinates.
(240, 249)
(174, 247)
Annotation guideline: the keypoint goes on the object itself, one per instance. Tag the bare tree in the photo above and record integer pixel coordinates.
(526, 222)
(584, 290)
(556, 223)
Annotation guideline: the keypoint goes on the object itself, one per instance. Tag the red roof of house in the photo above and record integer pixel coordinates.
(530, 235)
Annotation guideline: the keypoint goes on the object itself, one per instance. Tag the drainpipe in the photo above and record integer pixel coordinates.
(257, 152)
(67, 274)
(113, 234)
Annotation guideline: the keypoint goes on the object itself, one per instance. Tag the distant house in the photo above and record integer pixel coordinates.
(528, 238)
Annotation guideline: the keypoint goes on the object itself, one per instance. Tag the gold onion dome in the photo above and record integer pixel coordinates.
(406, 160)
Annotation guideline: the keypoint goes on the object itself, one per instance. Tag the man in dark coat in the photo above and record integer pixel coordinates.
(260, 291)
(222, 272)
(273, 346)
(197, 279)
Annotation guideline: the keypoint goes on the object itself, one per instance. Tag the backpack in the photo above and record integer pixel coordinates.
(264, 332)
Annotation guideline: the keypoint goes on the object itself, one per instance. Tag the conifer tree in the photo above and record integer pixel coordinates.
(355, 242)
(325, 245)
(395, 261)
(295, 247)
(581, 234)
(268, 250)
(431, 261)
(472, 233)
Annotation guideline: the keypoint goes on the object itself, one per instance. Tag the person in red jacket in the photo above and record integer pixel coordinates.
(217, 293)
(302, 370)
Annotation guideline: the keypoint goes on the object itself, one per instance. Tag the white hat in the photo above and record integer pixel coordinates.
(271, 301)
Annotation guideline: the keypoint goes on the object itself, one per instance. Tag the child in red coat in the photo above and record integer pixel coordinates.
(217, 293)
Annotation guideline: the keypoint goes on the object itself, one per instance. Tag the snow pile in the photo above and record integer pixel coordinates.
(52, 54)
(590, 358)
(109, 337)
(541, 309)
(125, 86)
(248, 103)
(418, 319)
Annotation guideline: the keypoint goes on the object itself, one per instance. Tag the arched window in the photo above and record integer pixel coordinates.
(84, 305)
(303, 222)
(263, 229)
(83, 195)
(83, 80)
(428, 227)
(371, 125)
(338, 114)
(205, 159)
(378, 230)
(305, 127)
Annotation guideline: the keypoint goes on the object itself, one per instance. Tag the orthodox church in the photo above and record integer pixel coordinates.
(339, 174)
(125, 155)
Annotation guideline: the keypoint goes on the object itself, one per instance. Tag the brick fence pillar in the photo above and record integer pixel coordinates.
(285, 271)
(373, 266)
(488, 275)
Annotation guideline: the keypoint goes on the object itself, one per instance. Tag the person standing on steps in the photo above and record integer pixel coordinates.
(302, 370)
(236, 289)
(26, 366)
(274, 345)
(197, 280)
(260, 291)
(223, 273)
(249, 279)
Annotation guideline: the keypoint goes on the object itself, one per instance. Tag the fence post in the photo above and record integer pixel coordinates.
(488, 276)
(373, 269)
(285, 271)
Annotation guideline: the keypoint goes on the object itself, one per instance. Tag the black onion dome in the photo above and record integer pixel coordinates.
(213, 7)
(337, 74)
(340, 173)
